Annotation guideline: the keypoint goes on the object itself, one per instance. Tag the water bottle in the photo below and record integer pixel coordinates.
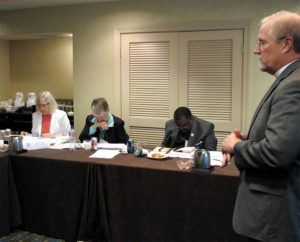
(72, 139)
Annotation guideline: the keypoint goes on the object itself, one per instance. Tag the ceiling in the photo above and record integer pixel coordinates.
(22, 4)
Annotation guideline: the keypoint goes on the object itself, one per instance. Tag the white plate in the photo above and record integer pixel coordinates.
(160, 156)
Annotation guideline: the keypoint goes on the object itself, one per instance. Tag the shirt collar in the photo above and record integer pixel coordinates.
(282, 69)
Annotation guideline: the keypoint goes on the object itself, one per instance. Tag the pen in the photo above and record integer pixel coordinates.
(198, 144)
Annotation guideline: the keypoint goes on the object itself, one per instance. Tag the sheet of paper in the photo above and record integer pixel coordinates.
(60, 146)
(215, 158)
(106, 154)
(186, 149)
(112, 146)
(181, 154)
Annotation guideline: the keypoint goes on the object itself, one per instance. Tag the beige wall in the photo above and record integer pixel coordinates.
(41, 64)
(4, 70)
(94, 25)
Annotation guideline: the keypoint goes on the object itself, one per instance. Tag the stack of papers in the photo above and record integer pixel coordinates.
(36, 143)
(184, 152)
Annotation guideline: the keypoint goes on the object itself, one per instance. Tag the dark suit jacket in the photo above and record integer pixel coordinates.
(116, 134)
(201, 131)
(268, 200)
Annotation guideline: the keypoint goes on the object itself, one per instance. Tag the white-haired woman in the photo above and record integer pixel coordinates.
(48, 121)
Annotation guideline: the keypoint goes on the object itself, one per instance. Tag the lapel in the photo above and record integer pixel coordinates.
(194, 131)
(275, 84)
(173, 137)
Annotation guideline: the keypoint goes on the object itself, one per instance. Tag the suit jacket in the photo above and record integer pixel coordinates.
(59, 126)
(116, 134)
(202, 131)
(268, 200)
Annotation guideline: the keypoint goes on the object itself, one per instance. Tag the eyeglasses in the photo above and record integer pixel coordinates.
(260, 44)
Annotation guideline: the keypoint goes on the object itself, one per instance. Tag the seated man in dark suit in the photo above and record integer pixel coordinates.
(103, 125)
(188, 130)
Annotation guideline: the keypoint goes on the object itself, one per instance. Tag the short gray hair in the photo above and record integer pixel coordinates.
(99, 105)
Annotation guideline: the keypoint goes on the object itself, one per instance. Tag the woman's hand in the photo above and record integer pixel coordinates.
(47, 135)
(24, 133)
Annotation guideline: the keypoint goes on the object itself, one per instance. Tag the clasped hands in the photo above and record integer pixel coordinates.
(228, 146)
(101, 124)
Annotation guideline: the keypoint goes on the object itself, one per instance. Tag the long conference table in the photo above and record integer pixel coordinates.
(65, 194)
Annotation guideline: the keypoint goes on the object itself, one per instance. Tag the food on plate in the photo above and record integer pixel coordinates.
(157, 155)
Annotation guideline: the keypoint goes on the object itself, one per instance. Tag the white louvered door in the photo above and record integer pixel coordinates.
(211, 77)
(149, 70)
(161, 71)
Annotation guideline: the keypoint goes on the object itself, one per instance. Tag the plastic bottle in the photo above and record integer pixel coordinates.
(72, 139)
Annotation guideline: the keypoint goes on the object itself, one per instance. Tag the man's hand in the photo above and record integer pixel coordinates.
(226, 159)
(228, 146)
(231, 140)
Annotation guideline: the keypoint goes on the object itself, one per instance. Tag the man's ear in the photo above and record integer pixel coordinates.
(288, 44)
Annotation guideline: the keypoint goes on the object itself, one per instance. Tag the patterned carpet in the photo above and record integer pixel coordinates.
(24, 236)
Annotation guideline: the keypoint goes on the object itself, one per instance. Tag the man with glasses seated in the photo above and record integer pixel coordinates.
(103, 125)
(48, 121)
(188, 130)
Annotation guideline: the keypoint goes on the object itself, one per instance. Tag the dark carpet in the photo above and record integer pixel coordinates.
(24, 236)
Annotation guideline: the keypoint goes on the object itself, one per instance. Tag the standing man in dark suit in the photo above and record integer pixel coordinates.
(268, 200)
(188, 130)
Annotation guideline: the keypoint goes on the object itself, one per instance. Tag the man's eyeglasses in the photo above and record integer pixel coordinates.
(261, 43)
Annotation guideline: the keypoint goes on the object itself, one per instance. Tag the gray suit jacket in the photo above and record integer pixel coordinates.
(268, 200)
(202, 131)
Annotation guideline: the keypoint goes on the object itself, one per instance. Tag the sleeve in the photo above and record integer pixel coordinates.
(85, 133)
(166, 139)
(121, 132)
(65, 124)
(210, 140)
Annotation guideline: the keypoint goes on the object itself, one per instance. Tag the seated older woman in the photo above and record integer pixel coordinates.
(48, 121)
(103, 125)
